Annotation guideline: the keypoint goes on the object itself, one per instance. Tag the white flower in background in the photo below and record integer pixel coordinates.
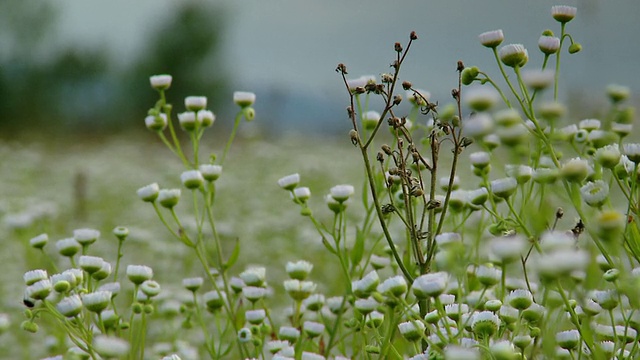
(210, 172)
(370, 119)
(192, 179)
(254, 276)
(289, 182)
(299, 270)
(595, 193)
(568, 339)
(156, 122)
(341, 193)
(110, 347)
(160, 82)
(480, 159)
(301, 193)
(33, 276)
(362, 81)
(395, 286)
(632, 151)
(149, 193)
(195, 103)
(205, 117)
(508, 248)
(575, 170)
(412, 330)
(430, 285)
(96, 301)
(478, 125)
(70, 306)
(618, 93)
(538, 79)
(364, 287)
(244, 98)
(504, 187)
(312, 328)
(481, 98)
(589, 124)
(299, 290)
(188, 120)
(138, 274)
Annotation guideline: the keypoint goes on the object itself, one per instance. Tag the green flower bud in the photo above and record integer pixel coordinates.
(574, 48)
(469, 74)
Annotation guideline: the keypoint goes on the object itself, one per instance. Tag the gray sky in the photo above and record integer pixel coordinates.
(295, 45)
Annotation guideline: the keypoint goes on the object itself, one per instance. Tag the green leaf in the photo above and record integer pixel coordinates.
(358, 247)
(326, 244)
(234, 256)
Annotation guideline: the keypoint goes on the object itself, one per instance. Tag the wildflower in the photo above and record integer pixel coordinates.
(395, 286)
(508, 248)
(508, 117)
(160, 82)
(589, 124)
(545, 175)
(548, 44)
(336, 305)
(205, 117)
(210, 172)
(538, 79)
(306, 355)
(478, 125)
(169, 198)
(312, 328)
(504, 187)
(138, 274)
(150, 288)
(214, 300)
(552, 110)
(412, 330)
(453, 311)
(513, 135)
(274, 346)
(192, 284)
(244, 99)
(575, 170)
(254, 276)
(480, 159)
(364, 287)
(341, 193)
(561, 262)
(149, 193)
(430, 285)
(110, 347)
(253, 293)
(39, 290)
(513, 55)
(445, 239)
(607, 299)
(485, 323)
(70, 306)
(632, 151)
(33, 276)
(255, 317)
(366, 306)
(488, 275)
(621, 129)
(68, 247)
(481, 98)
(86, 236)
(491, 39)
(192, 179)
(299, 290)
(188, 120)
(374, 319)
(595, 193)
(457, 352)
(508, 314)
(610, 225)
(39, 241)
(379, 262)
(195, 103)
(156, 122)
(91, 264)
(301, 194)
(520, 299)
(563, 13)
(522, 173)
(244, 335)
(556, 240)
(97, 301)
(288, 333)
(502, 350)
(370, 119)
(299, 270)
(568, 339)
(618, 93)
(62, 282)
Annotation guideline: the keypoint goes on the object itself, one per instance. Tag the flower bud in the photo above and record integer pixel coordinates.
(68, 247)
(192, 179)
(574, 48)
(156, 122)
(169, 198)
(244, 99)
(138, 274)
(39, 241)
(188, 120)
(195, 103)
(491, 39)
(513, 55)
(96, 301)
(205, 117)
(548, 44)
(149, 193)
(563, 13)
(160, 82)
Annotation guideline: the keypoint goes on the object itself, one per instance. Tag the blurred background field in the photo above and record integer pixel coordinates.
(74, 92)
